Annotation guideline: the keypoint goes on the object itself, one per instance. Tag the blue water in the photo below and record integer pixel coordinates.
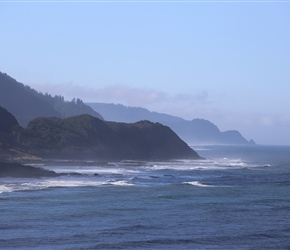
(239, 198)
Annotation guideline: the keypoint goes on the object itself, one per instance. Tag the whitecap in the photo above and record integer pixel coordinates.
(58, 183)
(5, 188)
(91, 170)
(196, 183)
(119, 183)
(63, 183)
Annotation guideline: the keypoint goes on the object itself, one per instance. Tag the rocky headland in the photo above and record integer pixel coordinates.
(85, 137)
(17, 170)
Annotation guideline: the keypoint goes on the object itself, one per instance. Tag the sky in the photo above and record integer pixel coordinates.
(224, 61)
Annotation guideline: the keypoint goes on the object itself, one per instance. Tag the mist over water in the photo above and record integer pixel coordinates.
(238, 198)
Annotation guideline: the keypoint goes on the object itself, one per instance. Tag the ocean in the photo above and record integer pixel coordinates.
(237, 198)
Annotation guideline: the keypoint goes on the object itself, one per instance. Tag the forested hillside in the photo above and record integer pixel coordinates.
(26, 103)
(85, 137)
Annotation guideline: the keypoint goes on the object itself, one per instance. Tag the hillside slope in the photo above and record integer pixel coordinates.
(196, 131)
(26, 103)
(87, 137)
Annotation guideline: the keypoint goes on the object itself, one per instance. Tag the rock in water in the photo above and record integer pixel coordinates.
(23, 171)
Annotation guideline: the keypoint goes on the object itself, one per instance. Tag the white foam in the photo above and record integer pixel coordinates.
(120, 183)
(233, 162)
(92, 170)
(123, 175)
(25, 185)
(208, 164)
(196, 183)
(63, 183)
(5, 188)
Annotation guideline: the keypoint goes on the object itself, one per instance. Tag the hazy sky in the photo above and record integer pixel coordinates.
(225, 61)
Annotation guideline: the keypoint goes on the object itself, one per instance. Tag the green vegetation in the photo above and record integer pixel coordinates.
(27, 104)
(57, 129)
(85, 136)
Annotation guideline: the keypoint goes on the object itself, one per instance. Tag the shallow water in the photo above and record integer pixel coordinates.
(236, 199)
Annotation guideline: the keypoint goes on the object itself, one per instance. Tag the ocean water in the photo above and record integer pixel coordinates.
(238, 198)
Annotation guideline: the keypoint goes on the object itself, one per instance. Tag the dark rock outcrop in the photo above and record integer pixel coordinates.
(22, 171)
(7, 121)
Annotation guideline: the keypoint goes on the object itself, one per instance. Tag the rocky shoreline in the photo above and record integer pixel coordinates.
(17, 170)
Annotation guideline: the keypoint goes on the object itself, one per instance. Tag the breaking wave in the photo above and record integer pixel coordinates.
(196, 183)
(189, 172)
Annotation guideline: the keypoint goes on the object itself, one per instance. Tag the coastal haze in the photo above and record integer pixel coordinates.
(224, 61)
(144, 124)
